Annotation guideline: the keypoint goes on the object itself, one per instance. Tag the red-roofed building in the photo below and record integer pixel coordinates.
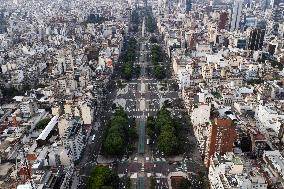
(221, 138)
(259, 137)
(31, 157)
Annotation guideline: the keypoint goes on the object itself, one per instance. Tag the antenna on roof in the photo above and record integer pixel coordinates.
(29, 173)
(28, 170)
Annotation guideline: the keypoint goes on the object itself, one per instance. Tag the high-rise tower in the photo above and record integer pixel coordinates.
(256, 39)
(188, 6)
(236, 15)
(223, 20)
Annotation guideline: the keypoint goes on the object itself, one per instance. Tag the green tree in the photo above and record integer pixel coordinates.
(202, 181)
(157, 54)
(128, 59)
(102, 177)
(152, 183)
(127, 71)
(131, 148)
(151, 24)
(163, 119)
(153, 39)
(168, 143)
(132, 133)
(137, 70)
(159, 72)
(151, 127)
(106, 187)
(114, 143)
(120, 123)
(119, 135)
(42, 123)
(185, 184)
(128, 183)
(120, 112)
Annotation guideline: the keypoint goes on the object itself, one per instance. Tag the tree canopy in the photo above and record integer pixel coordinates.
(128, 59)
(165, 128)
(157, 56)
(185, 184)
(119, 135)
(102, 177)
(159, 72)
(151, 24)
(135, 20)
(42, 123)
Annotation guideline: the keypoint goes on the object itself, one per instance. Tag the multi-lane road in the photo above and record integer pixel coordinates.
(141, 97)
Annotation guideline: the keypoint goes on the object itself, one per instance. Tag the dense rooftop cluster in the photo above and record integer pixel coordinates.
(58, 58)
(227, 57)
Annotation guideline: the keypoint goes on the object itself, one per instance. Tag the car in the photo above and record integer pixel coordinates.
(93, 138)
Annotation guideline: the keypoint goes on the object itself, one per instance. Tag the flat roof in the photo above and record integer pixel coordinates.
(18, 98)
(24, 186)
(5, 167)
(237, 160)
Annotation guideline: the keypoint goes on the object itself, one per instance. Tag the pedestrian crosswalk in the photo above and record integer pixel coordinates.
(152, 110)
(137, 116)
(142, 167)
(142, 116)
(159, 160)
(138, 110)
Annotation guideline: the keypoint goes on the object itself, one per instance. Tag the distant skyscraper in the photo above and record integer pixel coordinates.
(264, 4)
(223, 20)
(274, 3)
(256, 39)
(145, 3)
(161, 5)
(277, 14)
(188, 5)
(143, 27)
(236, 15)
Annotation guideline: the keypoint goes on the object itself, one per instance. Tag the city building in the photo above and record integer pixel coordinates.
(274, 164)
(221, 138)
(73, 139)
(256, 39)
(236, 15)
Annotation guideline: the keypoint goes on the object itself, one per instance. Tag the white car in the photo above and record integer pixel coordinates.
(93, 138)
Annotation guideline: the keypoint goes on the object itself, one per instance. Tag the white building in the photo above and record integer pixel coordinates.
(17, 76)
(227, 172)
(201, 114)
(28, 108)
(200, 118)
(87, 113)
(269, 117)
(64, 122)
(274, 163)
(183, 78)
(73, 139)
